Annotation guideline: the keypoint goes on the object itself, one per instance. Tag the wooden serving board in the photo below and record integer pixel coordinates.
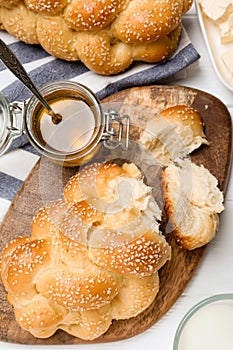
(47, 179)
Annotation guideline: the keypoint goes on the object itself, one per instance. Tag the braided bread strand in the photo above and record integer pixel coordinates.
(107, 36)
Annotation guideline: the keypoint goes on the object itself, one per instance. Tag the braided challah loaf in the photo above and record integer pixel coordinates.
(75, 272)
(94, 255)
(107, 36)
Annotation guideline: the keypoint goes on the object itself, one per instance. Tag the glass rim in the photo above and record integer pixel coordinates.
(6, 116)
(97, 134)
(199, 305)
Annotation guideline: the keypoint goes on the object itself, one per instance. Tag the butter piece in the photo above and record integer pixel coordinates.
(226, 30)
(230, 19)
(227, 58)
(217, 10)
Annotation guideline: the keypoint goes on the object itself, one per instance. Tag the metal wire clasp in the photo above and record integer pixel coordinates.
(13, 126)
(117, 129)
(16, 125)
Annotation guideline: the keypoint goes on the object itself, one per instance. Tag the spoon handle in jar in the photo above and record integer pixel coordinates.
(13, 64)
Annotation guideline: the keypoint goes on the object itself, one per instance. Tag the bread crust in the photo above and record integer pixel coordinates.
(143, 256)
(51, 7)
(61, 277)
(107, 36)
(56, 37)
(174, 133)
(192, 211)
(89, 16)
(185, 116)
(145, 20)
(13, 21)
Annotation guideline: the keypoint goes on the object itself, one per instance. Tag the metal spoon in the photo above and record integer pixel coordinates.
(11, 62)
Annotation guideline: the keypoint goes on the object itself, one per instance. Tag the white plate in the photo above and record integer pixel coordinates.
(215, 47)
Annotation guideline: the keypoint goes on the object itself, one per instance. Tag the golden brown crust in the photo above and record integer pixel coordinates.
(107, 36)
(9, 3)
(207, 225)
(51, 289)
(14, 22)
(92, 181)
(140, 257)
(62, 277)
(39, 314)
(158, 50)
(174, 133)
(71, 219)
(144, 20)
(192, 211)
(7, 253)
(56, 269)
(187, 5)
(185, 116)
(195, 229)
(133, 239)
(83, 181)
(90, 324)
(42, 317)
(77, 291)
(81, 303)
(83, 16)
(42, 225)
(23, 266)
(127, 304)
(56, 37)
(53, 7)
(102, 55)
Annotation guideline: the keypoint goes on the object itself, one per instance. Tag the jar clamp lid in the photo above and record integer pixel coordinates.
(11, 122)
(84, 126)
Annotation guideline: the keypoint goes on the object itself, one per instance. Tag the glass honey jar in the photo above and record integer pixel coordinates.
(77, 137)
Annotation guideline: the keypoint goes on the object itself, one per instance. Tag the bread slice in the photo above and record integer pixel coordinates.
(192, 202)
(175, 132)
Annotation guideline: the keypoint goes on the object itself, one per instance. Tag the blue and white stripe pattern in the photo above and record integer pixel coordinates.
(42, 68)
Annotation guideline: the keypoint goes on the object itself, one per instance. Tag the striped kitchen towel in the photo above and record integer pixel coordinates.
(17, 164)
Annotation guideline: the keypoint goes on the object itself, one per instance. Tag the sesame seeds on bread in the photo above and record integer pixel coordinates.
(107, 36)
(175, 132)
(74, 271)
(192, 199)
(95, 254)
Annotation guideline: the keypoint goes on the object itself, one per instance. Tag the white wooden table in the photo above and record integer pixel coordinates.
(215, 273)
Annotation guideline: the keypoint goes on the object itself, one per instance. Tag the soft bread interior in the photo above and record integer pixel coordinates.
(192, 201)
(93, 256)
(175, 132)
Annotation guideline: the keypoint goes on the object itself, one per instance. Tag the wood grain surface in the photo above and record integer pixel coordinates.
(47, 179)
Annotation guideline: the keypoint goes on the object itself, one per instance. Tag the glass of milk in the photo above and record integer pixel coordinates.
(207, 326)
